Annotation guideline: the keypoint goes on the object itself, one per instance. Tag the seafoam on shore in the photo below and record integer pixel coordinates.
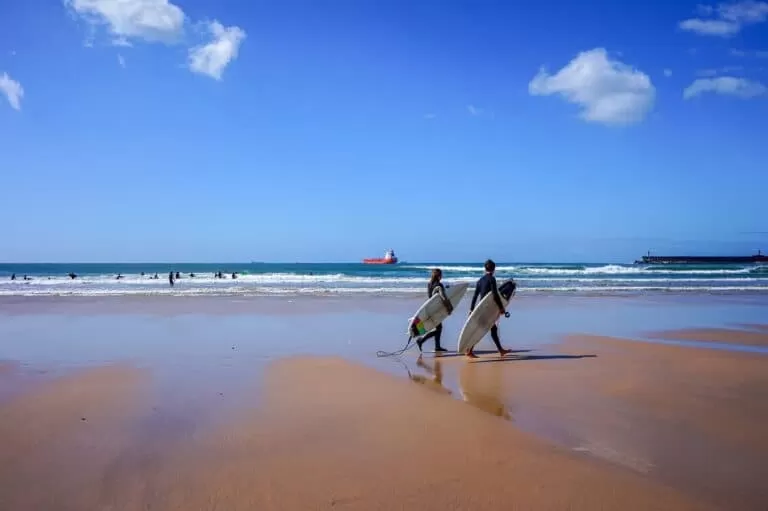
(356, 279)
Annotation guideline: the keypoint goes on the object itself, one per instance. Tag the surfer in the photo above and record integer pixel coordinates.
(487, 284)
(436, 287)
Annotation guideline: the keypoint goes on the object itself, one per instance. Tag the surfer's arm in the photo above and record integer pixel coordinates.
(497, 296)
(474, 299)
(446, 301)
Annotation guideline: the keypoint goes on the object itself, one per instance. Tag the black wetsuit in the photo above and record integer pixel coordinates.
(438, 331)
(487, 284)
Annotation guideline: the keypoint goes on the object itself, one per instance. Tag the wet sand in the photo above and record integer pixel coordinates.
(328, 434)
(690, 418)
(186, 409)
(61, 438)
(757, 336)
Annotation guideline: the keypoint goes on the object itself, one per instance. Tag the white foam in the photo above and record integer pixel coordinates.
(334, 291)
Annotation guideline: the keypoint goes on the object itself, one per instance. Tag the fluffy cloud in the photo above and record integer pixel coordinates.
(159, 21)
(211, 59)
(667, 73)
(12, 90)
(727, 19)
(149, 20)
(609, 91)
(727, 85)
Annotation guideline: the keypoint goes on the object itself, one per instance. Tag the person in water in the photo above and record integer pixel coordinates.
(170, 278)
(436, 287)
(487, 284)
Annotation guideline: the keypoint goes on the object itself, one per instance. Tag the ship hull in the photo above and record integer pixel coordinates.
(703, 259)
(380, 261)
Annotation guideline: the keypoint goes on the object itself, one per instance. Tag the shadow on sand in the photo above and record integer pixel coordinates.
(532, 357)
(449, 354)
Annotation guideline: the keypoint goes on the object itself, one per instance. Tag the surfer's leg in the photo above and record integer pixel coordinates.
(496, 341)
(421, 340)
(438, 334)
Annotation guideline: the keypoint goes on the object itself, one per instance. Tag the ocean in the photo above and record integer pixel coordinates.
(358, 279)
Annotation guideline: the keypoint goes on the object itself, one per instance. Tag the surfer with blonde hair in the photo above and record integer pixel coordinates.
(436, 287)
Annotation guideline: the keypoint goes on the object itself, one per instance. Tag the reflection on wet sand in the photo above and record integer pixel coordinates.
(482, 387)
(479, 385)
(435, 370)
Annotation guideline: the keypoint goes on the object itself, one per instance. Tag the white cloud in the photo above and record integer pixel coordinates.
(748, 11)
(760, 54)
(158, 21)
(121, 60)
(717, 71)
(12, 90)
(150, 20)
(727, 85)
(728, 19)
(609, 91)
(711, 27)
(211, 59)
(667, 73)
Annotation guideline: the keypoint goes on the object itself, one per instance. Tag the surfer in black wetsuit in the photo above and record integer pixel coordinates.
(487, 284)
(436, 287)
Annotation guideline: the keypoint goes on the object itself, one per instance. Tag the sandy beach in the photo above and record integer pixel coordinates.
(754, 335)
(176, 408)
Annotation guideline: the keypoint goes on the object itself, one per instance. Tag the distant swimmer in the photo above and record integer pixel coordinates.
(119, 276)
(156, 277)
(192, 275)
(434, 287)
(234, 275)
(178, 276)
(487, 284)
(170, 278)
(142, 274)
(13, 277)
(72, 276)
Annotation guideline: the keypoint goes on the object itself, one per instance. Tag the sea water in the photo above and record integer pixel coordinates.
(359, 279)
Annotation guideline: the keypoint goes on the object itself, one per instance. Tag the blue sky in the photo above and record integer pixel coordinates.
(148, 130)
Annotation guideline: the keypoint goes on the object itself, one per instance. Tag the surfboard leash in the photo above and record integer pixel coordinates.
(396, 353)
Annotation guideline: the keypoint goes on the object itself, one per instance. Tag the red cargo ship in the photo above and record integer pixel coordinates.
(389, 258)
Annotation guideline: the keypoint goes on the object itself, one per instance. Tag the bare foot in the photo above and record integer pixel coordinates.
(471, 355)
(504, 352)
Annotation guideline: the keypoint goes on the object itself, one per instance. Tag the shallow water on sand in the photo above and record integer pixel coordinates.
(176, 331)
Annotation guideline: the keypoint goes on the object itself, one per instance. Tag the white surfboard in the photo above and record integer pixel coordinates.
(433, 312)
(481, 320)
